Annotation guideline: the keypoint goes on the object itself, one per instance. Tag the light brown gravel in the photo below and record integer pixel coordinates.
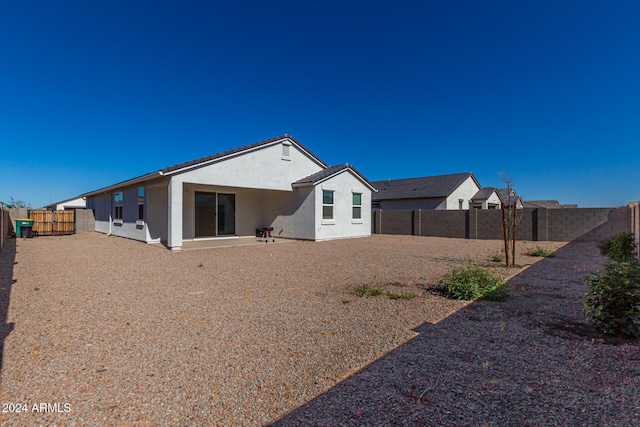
(131, 334)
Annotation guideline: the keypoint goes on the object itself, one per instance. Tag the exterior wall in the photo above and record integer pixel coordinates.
(465, 191)
(101, 206)
(129, 227)
(79, 203)
(493, 199)
(156, 212)
(250, 204)
(342, 226)
(291, 215)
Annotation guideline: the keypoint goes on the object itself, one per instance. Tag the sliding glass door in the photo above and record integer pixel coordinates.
(215, 214)
(226, 214)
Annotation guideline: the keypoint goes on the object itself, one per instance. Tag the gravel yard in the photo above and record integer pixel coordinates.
(116, 332)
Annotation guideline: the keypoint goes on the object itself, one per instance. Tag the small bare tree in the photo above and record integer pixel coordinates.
(16, 204)
(510, 218)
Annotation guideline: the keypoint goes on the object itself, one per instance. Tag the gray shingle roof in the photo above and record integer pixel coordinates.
(328, 173)
(540, 203)
(503, 193)
(418, 188)
(238, 151)
(208, 159)
(484, 193)
(549, 204)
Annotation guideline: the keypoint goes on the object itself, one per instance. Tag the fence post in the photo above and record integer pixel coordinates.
(472, 224)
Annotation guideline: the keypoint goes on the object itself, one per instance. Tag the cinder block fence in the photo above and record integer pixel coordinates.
(5, 222)
(539, 224)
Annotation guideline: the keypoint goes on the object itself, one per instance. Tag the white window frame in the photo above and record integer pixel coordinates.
(355, 206)
(141, 198)
(328, 220)
(118, 207)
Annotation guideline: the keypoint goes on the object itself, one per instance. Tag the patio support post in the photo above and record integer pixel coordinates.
(174, 202)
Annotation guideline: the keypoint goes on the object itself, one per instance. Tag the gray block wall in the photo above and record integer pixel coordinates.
(444, 223)
(569, 224)
(539, 224)
(396, 222)
(85, 221)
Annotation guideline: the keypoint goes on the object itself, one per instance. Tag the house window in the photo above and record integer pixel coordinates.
(327, 204)
(357, 206)
(141, 203)
(117, 203)
(460, 201)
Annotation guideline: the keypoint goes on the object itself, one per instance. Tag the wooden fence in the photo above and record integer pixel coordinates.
(53, 222)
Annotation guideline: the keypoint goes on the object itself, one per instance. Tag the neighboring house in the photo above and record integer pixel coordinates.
(275, 183)
(77, 203)
(509, 197)
(549, 204)
(451, 192)
(486, 198)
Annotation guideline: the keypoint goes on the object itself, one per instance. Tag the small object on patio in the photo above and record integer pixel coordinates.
(266, 234)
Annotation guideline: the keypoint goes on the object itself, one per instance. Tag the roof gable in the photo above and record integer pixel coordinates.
(185, 166)
(330, 172)
(214, 158)
(423, 187)
(485, 193)
(509, 198)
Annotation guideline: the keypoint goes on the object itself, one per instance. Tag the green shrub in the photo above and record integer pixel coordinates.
(400, 296)
(367, 291)
(613, 299)
(622, 247)
(541, 252)
(469, 283)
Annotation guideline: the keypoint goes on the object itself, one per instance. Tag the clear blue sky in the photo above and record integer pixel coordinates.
(97, 92)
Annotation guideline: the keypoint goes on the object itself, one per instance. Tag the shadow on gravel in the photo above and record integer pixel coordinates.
(532, 360)
(7, 261)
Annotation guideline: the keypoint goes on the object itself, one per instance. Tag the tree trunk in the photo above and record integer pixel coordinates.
(506, 240)
(513, 246)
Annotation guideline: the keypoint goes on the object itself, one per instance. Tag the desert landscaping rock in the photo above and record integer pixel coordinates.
(132, 334)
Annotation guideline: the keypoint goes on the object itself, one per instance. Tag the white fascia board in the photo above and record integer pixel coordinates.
(369, 186)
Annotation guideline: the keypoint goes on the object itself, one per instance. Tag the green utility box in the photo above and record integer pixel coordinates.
(24, 226)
